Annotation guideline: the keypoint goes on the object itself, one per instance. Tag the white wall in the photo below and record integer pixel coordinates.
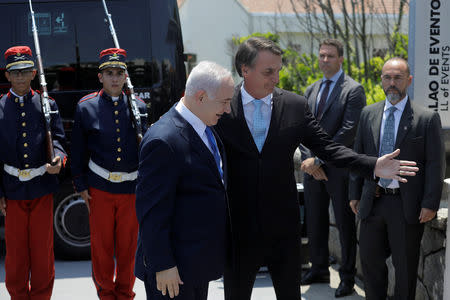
(207, 25)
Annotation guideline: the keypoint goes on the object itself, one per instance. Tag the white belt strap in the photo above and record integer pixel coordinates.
(115, 177)
(25, 174)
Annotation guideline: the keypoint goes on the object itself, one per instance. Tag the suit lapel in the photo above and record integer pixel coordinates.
(404, 125)
(312, 99)
(334, 93)
(277, 110)
(194, 141)
(376, 125)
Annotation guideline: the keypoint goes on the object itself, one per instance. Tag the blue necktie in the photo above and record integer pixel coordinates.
(215, 151)
(323, 99)
(259, 126)
(387, 143)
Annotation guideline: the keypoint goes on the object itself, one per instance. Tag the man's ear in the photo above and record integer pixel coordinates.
(244, 70)
(7, 76)
(200, 95)
(100, 77)
(34, 74)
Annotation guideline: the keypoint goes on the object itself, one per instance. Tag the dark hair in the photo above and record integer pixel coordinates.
(334, 43)
(248, 51)
(402, 60)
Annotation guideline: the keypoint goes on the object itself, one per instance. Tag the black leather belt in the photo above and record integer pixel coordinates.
(386, 191)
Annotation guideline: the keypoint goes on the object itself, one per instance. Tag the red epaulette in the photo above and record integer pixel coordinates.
(39, 93)
(89, 96)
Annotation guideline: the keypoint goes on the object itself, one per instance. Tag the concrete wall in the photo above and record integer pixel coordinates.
(430, 282)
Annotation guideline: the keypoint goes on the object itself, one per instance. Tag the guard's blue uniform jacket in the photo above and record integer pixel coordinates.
(23, 145)
(103, 131)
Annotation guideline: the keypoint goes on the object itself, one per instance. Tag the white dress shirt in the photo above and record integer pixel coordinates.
(397, 116)
(249, 108)
(333, 79)
(197, 124)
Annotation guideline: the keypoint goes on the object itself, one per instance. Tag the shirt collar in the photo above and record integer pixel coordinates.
(247, 98)
(22, 98)
(335, 77)
(191, 118)
(400, 105)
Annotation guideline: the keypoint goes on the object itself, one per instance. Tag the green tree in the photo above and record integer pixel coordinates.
(301, 70)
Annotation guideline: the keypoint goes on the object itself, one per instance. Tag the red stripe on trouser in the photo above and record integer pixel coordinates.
(114, 230)
(29, 262)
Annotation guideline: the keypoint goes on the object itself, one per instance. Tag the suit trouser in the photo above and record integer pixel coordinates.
(114, 230)
(282, 258)
(385, 232)
(317, 200)
(188, 291)
(29, 262)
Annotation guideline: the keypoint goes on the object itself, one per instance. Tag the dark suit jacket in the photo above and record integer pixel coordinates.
(419, 139)
(180, 203)
(261, 186)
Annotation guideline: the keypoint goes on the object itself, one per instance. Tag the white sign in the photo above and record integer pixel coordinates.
(429, 55)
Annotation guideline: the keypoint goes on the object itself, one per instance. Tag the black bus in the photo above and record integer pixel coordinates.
(72, 33)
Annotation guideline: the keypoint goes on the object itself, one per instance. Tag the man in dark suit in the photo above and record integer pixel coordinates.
(336, 101)
(392, 213)
(265, 126)
(181, 201)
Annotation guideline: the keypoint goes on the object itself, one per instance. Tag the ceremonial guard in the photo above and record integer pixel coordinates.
(28, 180)
(104, 168)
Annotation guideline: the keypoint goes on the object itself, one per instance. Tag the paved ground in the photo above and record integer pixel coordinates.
(73, 281)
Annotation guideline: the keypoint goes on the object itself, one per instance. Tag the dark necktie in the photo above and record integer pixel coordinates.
(215, 151)
(387, 142)
(323, 99)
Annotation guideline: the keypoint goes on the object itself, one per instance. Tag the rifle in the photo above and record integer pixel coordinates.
(136, 115)
(45, 104)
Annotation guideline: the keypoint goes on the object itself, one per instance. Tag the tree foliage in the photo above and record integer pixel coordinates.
(301, 70)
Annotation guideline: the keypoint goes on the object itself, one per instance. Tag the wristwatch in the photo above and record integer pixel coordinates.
(317, 161)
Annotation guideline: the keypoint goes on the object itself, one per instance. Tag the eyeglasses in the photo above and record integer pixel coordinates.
(17, 73)
(396, 78)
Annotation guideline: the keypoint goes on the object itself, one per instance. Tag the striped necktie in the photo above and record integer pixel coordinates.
(215, 151)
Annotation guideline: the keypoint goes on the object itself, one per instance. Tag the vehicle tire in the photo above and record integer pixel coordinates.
(71, 225)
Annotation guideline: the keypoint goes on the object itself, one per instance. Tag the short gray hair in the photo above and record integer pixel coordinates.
(207, 76)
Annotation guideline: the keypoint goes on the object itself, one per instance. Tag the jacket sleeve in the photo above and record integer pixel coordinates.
(155, 200)
(79, 153)
(355, 181)
(356, 101)
(334, 153)
(434, 164)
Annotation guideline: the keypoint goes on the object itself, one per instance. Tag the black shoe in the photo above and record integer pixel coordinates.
(345, 288)
(311, 278)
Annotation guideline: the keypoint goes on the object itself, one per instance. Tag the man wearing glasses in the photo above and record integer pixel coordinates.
(27, 181)
(393, 213)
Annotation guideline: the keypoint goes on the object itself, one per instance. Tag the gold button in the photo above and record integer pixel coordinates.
(16, 100)
(27, 165)
(24, 124)
(22, 104)
(116, 112)
(116, 103)
(119, 149)
(118, 129)
(23, 114)
(25, 155)
(117, 121)
(118, 139)
(119, 159)
(24, 134)
(25, 145)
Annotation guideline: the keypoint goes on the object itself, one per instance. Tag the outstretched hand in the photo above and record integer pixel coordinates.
(388, 167)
